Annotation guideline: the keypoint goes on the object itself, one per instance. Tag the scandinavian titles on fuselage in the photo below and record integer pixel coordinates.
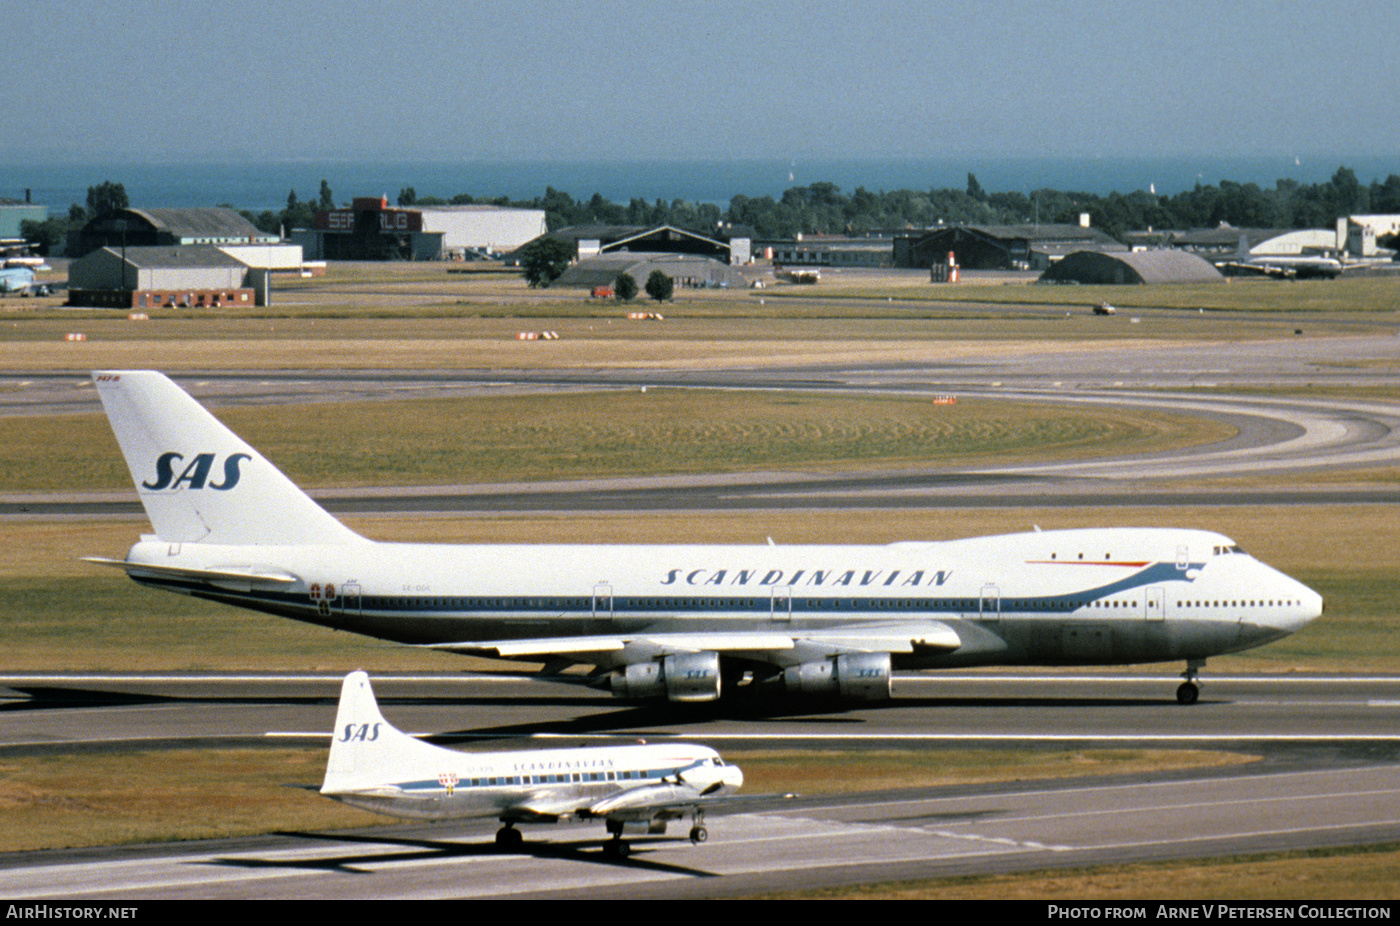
(823, 577)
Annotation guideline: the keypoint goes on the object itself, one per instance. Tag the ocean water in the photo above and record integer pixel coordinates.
(260, 185)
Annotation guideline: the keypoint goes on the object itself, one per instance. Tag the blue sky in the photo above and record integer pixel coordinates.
(314, 79)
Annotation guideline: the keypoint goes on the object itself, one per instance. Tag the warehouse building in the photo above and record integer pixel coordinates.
(371, 229)
(163, 276)
(14, 213)
(829, 251)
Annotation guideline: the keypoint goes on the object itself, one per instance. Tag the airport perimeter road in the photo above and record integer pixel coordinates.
(799, 844)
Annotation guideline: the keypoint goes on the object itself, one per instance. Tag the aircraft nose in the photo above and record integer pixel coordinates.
(1306, 607)
(1311, 608)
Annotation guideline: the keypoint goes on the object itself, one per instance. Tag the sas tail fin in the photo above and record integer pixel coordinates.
(199, 482)
(367, 750)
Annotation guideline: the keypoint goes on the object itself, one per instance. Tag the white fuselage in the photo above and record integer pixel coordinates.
(1115, 595)
(539, 784)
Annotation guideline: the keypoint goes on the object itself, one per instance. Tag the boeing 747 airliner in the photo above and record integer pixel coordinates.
(686, 622)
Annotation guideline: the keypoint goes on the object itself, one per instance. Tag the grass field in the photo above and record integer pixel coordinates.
(580, 435)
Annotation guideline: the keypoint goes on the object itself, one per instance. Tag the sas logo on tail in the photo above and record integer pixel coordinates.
(195, 474)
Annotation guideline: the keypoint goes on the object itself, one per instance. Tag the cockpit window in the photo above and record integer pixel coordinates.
(1224, 550)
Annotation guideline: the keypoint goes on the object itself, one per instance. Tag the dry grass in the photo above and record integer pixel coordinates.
(580, 435)
(111, 798)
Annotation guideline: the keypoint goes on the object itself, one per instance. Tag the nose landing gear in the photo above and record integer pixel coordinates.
(1189, 691)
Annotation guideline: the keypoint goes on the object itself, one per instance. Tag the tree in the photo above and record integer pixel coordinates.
(660, 286)
(408, 196)
(105, 199)
(625, 289)
(974, 189)
(544, 259)
(49, 234)
(327, 200)
(297, 214)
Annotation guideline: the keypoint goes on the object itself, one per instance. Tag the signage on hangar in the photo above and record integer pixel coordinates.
(384, 220)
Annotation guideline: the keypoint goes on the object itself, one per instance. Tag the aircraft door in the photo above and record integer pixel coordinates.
(603, 601)
(350, 599)
(780, 605)
(989, 606)
(1154, 602)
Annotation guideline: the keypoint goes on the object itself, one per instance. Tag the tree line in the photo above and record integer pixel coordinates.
(823, 209)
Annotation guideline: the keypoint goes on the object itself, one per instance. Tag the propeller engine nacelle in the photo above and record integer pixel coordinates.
(853, 676)
(677, 677)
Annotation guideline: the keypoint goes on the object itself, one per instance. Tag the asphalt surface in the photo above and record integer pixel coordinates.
(1325, 774)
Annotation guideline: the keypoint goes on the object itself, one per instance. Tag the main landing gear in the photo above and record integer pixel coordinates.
(508, 838)
(616, 847)
(1189, 691)
(698, 833)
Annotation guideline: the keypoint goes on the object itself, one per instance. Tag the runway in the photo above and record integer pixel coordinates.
(1327, 776)
(46, 712)
(777, 846)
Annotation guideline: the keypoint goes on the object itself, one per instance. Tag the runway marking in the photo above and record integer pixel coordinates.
(902, 678)
(1248, 834)
(1159, 808)
(1232, 738)
(974, 837)
(1097, 789)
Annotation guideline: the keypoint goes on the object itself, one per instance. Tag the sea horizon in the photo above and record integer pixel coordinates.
(259, 185)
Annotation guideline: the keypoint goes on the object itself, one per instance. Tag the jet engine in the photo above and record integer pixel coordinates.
(677, 677)
(853, 676)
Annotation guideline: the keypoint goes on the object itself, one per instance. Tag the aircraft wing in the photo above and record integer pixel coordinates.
(782, 647)
(651, 801)
(238, 576)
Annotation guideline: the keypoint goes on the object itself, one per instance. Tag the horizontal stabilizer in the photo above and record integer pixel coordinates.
(240, 576)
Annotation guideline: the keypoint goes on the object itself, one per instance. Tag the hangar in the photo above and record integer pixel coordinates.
(732, 247)
(371, 229)
(1000, 247)
(1164, 266)
(686, 270)
(1227, 241)
(167, 227)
